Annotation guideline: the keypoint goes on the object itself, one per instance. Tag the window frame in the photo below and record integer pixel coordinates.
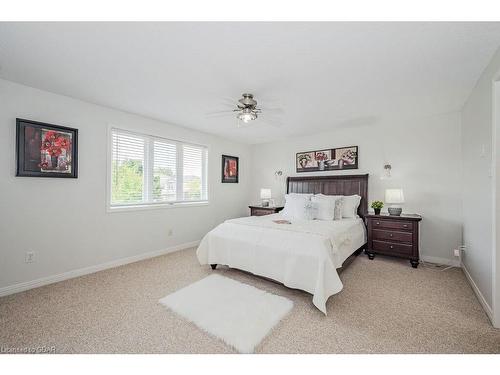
(158, 205)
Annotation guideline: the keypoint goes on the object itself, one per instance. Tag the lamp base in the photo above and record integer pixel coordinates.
(395, 211)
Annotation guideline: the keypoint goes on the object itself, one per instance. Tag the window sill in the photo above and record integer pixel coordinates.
(111, 209)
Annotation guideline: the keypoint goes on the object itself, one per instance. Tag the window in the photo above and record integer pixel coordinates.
(147, 170)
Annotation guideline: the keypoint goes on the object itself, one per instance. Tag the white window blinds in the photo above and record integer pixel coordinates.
(127, 168)
(147, 170)
(193, 164)
(164, 171)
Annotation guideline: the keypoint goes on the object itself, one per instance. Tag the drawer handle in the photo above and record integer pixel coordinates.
(391, 247)
(405, 226)
(390, 235)
(378, 223)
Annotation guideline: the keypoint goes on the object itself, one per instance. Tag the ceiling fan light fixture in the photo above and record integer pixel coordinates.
(246, 115)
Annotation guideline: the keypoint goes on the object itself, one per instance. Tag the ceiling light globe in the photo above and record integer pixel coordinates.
(246, 116)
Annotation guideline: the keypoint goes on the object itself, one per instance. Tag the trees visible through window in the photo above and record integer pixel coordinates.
(148, 170)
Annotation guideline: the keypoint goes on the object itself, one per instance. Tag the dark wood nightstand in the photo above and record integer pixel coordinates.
(261, 211)
(393, 235)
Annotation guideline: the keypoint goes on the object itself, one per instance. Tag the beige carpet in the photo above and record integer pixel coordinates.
(386, 307)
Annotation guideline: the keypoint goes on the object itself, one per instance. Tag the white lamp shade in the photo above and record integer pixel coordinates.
(265, 193)
(394, 196)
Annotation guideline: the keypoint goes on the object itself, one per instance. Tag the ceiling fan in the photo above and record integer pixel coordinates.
(246, 111)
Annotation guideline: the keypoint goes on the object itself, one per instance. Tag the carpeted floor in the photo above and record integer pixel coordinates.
(386, 307)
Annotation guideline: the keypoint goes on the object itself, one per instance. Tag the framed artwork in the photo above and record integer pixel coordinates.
(46, 150)
(327, 160)
(230, 169)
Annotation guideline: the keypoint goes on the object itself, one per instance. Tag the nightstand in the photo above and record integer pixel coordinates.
(393, 235)
(261, 211)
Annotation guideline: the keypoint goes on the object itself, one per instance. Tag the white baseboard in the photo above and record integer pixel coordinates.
(487, 308)
(444, 261)
(20, 287)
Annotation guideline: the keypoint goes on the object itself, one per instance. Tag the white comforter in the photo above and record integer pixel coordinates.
(302, 255)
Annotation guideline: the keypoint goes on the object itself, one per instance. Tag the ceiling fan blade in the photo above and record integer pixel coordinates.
(270, 121)
(218, 115)
(274, 110)
(229, 102)
(219, 112)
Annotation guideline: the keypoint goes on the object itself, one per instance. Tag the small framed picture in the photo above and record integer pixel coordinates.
(230, 169)
(46, 150)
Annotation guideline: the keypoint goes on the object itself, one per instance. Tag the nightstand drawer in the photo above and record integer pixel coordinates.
(261, 211)
(388, 235)
(392, 224)
(392, 248)
(257, 212)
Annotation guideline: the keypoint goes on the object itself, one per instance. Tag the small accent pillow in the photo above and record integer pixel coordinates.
(328, 207)
(350, 206)
(311, 210)
(298, 206)
(338, 208)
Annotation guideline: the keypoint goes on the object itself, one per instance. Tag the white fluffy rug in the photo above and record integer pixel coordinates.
(236, 313)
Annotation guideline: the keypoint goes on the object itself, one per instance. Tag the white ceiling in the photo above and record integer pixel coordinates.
(321, 75)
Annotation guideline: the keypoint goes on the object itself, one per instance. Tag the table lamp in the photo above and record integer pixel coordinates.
(394, 197)
(265, 195)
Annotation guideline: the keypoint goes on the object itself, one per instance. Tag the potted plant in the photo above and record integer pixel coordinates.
(377, 206)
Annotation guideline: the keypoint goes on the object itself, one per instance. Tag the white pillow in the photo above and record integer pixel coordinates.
(350, 205)
(298, 206)
(328, 207)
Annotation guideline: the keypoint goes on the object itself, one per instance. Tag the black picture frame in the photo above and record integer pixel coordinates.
(225, 177)
(306, 162)
(27, 166)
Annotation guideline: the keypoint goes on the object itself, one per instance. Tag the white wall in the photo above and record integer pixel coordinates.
(477, 181)
(496, 201)
(65, 220)
(425, 158)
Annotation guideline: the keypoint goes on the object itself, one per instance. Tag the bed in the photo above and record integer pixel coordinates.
(306, 254)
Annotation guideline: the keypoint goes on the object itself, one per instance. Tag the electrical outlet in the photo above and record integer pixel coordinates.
(170, 232)
(456, 252)
(29, 257)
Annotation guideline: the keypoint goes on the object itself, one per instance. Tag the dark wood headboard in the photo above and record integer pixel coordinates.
(332, 185)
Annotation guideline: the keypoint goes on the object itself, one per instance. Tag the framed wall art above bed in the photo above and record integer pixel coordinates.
(327, 159)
